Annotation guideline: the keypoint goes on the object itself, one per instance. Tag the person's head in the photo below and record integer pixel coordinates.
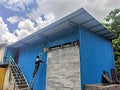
(37, 57)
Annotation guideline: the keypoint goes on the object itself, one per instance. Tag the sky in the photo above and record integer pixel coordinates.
(20, 18)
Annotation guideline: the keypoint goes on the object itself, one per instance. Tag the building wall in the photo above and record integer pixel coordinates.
(28, 55)
(2, 51)
(96, 56)
(1, 54)
(2, 75)
(9, 82)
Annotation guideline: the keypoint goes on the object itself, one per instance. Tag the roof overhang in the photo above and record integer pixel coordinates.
(79, 17)
(3, 45)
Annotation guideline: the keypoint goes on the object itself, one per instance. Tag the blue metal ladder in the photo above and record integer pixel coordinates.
(32, 81)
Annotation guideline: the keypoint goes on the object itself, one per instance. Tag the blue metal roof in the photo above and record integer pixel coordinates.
(79, 17)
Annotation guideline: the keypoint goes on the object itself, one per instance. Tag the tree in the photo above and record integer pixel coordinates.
(113, 24)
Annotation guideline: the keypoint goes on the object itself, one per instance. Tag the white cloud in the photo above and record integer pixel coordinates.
(49, 19)
(58, 7)
(27, 24)
(15, 5)
(100, 8)
(14, 19)
(27, 27)
(5, 35)
(8, 38)
(21, 33)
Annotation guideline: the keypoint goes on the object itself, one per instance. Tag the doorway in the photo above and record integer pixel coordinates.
(16, 58)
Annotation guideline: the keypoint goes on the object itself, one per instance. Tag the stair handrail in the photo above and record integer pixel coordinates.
(11, 61)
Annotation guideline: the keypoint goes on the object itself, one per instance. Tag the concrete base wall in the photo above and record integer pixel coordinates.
(9, 82)
(63, 69)
(102, 87)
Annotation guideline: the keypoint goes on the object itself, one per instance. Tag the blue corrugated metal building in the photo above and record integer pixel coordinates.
(95, 47)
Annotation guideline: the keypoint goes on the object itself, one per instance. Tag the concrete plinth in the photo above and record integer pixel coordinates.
(102, 87)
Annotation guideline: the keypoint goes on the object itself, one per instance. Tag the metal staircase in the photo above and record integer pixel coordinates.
(20, 81)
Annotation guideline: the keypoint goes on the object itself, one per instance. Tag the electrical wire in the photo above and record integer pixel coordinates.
(32, 18)
(29, 13)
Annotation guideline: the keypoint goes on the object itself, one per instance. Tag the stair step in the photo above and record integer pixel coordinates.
(17, 75)
(22, 86)
(19, 80)
(24, 89)
(14, 72)
(19, 83)
(13, 66)
(15, 69)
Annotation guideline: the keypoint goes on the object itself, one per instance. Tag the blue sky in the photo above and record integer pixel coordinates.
(18, 17)
(6, 13)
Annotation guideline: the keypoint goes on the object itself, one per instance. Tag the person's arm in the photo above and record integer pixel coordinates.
(41, 61)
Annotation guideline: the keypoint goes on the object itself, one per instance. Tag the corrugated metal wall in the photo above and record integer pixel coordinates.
(68, 35)
(27, 63)
(28, 55)
(96, 55)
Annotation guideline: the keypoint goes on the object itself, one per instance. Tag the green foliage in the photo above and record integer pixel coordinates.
(113, 24)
